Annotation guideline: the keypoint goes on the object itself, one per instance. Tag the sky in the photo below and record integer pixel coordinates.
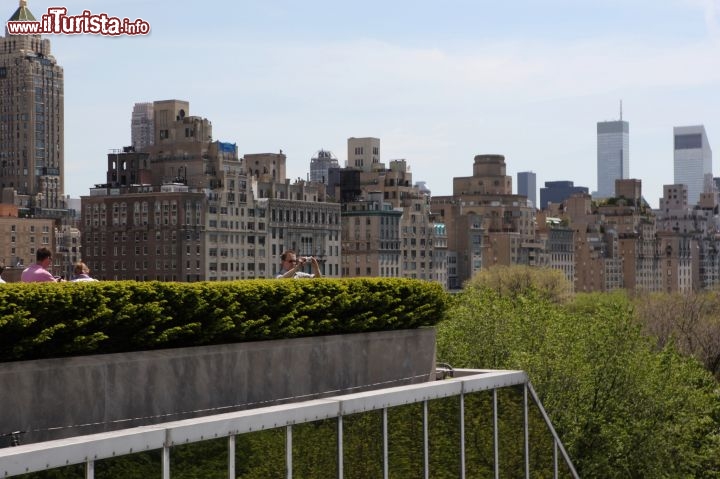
(437, 82)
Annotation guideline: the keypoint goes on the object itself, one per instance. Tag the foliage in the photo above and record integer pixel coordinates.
(622, 407)
(71, 319)
(689, 321)
(261, 454)
(513, 280)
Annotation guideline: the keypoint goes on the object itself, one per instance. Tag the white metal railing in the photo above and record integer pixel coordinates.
(91, 448)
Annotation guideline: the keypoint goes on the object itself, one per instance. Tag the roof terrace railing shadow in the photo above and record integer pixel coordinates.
(474, 395)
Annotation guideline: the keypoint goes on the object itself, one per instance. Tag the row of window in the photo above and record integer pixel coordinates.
(164, 235)
(44, 240)
(301, 216)
(141, 265)
(45, 228)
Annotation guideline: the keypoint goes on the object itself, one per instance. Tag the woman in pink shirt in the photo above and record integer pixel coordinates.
(38, 272)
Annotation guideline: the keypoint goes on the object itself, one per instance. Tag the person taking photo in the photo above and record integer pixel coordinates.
(292, 267)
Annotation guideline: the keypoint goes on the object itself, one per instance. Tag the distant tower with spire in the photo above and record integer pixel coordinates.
(32, 118)
(613, 155)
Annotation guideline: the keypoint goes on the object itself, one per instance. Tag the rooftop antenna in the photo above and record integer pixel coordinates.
(620, 110)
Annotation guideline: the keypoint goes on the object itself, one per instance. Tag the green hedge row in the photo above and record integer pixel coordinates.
(72, 319)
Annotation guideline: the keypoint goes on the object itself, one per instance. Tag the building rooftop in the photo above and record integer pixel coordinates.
(22, 13)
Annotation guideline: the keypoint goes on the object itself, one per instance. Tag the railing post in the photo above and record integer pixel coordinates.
(496, 445)
(548, 424)
(527, 432)
(462, 433)
(90, 469)
(288, 451)
(231, 457)
(385, 442)
(340, 447)
(166, 462)
(426, 453)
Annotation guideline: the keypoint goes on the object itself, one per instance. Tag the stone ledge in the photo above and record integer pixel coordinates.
(65, 397)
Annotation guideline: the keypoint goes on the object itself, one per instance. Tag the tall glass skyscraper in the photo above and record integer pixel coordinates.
(526, 186)
(692, 159)
(613, 155)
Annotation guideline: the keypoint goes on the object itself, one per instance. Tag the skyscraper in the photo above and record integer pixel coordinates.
(142, 126)
(320, 163)
(31, 118)
(692, 159)
(526, 181)
(613, 155)
(559, 191)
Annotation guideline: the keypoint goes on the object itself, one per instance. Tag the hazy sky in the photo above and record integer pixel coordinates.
(437, 81)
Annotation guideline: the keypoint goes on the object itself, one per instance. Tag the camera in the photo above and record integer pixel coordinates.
(306, 259)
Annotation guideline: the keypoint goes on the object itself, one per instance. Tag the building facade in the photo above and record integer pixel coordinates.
(188, 208)
(485, 223)
(440, 254)
(297, 216)
(21, 237)
(371, 238)
(557, 192)
(320, 164)
(561, 251)
(67, 249)
(364, 153)
(144, 233)
(416, 227)
(141, 126)
(369, 186)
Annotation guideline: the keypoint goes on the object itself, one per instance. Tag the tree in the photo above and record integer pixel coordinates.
(690, 321)
(622, 407)
(512, 280)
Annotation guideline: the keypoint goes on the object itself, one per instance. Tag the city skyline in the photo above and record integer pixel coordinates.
(436, 84)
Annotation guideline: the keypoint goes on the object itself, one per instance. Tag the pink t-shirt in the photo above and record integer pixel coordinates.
(36, 274)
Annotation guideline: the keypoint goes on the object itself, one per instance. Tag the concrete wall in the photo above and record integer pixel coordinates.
(56, 398)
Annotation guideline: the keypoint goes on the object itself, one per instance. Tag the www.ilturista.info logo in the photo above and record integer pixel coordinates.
(57, 21)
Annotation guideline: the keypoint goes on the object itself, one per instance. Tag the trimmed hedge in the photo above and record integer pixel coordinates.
(44, 320)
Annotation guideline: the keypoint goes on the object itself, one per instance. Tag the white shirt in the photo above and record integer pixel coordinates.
(82, 277)
(298, 274)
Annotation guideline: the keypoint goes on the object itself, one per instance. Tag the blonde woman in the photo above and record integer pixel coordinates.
(82, 273)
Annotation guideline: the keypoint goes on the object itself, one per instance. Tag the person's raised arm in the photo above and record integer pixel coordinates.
(315, 267)
(291, 272)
